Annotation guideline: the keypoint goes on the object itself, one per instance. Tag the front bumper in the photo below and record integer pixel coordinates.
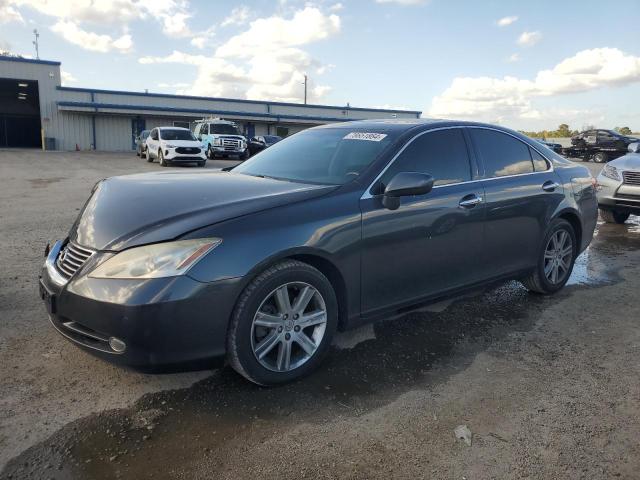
(174, 322)
(227, 151)
(172, 156)
(615, 195)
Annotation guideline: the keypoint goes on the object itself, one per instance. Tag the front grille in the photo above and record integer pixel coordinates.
(231, 144)
(187, 150)
(71, 258)
(631, 178)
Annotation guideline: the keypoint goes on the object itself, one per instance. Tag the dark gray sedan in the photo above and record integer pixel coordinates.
(141, 142)
(327, 229)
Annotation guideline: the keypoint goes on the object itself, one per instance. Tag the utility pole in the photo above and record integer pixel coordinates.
(305, 89)
(35, 42)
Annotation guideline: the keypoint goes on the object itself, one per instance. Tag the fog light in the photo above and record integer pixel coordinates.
(117, 345)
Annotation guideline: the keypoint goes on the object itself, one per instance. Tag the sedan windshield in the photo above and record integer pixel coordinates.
(328, 156)
(176, 134)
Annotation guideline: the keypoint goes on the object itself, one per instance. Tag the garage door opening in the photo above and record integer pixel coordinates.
(19, 113)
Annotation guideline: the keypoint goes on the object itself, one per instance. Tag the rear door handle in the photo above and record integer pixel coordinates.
(550, 186)
(470, 201)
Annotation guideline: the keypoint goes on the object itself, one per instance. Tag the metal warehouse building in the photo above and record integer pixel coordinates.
(37, 111)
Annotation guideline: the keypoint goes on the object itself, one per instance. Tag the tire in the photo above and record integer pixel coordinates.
(210, 154)
(138, 154)
(245, 155)
(600, 157)
(201, 164)
(147, 155)
(244, 338)
(161, 160)
(613, 216)
(538, 281)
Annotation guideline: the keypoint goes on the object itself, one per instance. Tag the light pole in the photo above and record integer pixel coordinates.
(305, 89)
(35, 42)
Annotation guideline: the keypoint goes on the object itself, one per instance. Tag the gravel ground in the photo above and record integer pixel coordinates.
(549, 387)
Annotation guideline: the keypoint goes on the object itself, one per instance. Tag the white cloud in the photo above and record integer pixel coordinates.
(336, 7)
(72, 33)
(514, 57)
(238, 16)
(506, 21)
(528, 39)
(500, 99)
(173, 85)
(404, 2)
(9, 13)
(265, 61)
(67, 78)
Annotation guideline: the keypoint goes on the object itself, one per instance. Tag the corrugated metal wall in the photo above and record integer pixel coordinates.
(72, 125)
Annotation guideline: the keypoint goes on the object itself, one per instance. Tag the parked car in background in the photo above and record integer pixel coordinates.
(174, 145)
(556, 147)
(221, 139)
(141, 142)
(619, 187)
(599, 145)
(257, 144)
(329, 228)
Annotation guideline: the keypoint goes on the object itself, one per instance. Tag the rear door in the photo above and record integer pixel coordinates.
(433, 242)
(521, 191)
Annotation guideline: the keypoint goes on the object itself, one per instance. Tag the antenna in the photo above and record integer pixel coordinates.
(35, 42)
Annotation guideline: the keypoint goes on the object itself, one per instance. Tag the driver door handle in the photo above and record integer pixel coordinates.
(470, 201)
(550, 186)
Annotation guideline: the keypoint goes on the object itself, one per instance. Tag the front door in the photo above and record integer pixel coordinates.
(433, 242)
(522, 192)
(137, 126)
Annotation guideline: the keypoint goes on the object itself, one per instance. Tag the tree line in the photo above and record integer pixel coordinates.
(564, 130)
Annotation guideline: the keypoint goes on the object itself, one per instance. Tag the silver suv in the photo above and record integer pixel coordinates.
(221, 139)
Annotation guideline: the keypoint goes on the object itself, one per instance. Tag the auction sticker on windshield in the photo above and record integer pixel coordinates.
(372, 137)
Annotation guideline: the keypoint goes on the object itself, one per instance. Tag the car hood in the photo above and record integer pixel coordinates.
(183, 143)
(630, 161)
(132, 210)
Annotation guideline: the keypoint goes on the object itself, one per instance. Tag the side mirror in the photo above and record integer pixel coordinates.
(405, 184)
(634, 147)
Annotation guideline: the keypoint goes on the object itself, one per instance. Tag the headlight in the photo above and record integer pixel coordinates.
(168, 145)
(611, 172)
(156, 261)
(217, 142)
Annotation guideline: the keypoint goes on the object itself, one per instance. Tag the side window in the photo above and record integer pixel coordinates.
(154, 134)
(442, 154)
(539, 163)
(501, 154)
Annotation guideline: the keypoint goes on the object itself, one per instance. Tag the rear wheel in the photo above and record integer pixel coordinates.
(600, 157)
(613, 216)
(283, 324)
(555, 259)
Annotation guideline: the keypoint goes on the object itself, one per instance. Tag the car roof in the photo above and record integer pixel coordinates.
(173, 128)
(399, 125)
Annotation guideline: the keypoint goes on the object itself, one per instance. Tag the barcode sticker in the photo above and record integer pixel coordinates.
(372, 137)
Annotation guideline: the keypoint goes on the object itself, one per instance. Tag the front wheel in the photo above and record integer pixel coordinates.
(161, 160)
(555, 259)
(600, 157)
(283, 324)
(613, 216)
(147, 155)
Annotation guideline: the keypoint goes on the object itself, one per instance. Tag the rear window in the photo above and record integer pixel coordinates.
(501, 154)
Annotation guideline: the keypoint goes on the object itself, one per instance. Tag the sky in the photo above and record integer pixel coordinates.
(526, 65)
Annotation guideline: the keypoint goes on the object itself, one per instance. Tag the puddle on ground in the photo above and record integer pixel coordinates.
(366, 369)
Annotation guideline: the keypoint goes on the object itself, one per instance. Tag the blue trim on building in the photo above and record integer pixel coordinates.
(4, 58)
(277, 118)
(231, 100)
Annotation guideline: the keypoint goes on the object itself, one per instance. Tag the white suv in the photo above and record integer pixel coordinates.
(174, 145)
(221, 138)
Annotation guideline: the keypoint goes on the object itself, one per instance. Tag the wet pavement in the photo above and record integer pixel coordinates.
(224, 427)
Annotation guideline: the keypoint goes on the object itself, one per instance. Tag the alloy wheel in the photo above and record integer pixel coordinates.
(288, 327)
(557, 256)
